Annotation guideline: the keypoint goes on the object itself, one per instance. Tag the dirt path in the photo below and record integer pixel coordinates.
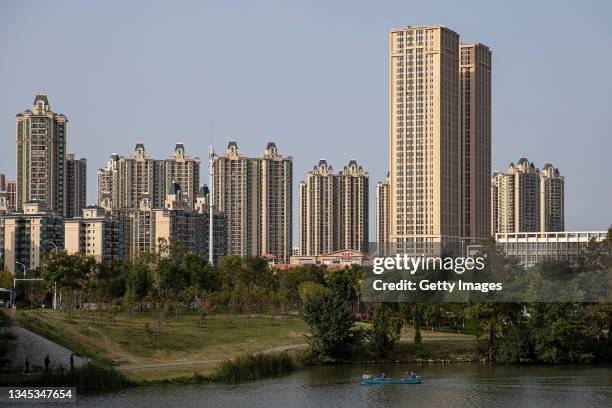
(202, 362)
(36, 348)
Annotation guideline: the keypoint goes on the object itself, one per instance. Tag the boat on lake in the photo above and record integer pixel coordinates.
(410, 379)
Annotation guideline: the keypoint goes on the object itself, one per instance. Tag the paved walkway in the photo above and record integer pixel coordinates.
(36, 348)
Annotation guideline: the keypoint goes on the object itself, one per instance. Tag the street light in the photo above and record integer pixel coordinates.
(14, 291)
(24, 268)
(55, 248)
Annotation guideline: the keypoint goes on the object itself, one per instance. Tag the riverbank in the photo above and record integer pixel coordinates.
(185, 351)
(183, 347)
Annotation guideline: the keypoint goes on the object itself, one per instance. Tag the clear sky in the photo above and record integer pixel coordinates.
(311, 76)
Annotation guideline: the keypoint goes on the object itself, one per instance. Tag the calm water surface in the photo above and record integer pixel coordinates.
(457, 385)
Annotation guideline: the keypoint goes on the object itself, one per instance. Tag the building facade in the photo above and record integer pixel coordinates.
(383, 215)
(29, 235)
(526, 199)
(148, 229)
(97, 233)
(8, 194)
(475, 114)
(125, 181)
(440, 138)
(184, 170)
(76, 185)
(334, 210)
(534, 247)
(277, 204)
(353, 202)
(41, 156)
(319, 211)
(255, 197)
(552, 199)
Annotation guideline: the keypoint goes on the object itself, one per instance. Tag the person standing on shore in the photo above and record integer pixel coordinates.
(72, 362)
(27, 365)
(47, 363)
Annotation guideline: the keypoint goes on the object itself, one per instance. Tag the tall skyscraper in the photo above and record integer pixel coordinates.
(475, 76)
(425, 138)
(184, 170)
(552, 199)
(353, 194)
(125, 182)
(439, 139)
(277, 204)
(41, 156)
(382, 215)
(318, 211)
(334, 210)
(526, 199)
(254, 195)
(76, 186)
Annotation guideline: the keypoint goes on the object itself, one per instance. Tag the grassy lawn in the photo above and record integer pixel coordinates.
(223, 337)
(431, 335)
(184, 349)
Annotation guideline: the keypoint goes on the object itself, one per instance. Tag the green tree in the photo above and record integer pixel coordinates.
(476, 315)
(331, 323)
(385, 330)
(36, 293)
(344, 282)
(6, 279)
(311, 289)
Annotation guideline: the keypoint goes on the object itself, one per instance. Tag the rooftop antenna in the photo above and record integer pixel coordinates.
(211, 190)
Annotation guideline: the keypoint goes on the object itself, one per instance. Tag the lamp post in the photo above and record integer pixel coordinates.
(55, 248)
(14, 292)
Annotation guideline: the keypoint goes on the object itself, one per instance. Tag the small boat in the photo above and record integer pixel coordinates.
(415, 379)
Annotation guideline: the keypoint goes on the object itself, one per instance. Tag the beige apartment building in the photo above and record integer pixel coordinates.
(8, 194)
(255, 197)
(41, 156)
(184, 170)
(353, 199)
(76, 185)
(97, 233)
(552, 199)
(475, 114)
(383, 223)
(147, 228)
(319, 222)
(334, 210)
(526, 199)
(440, 139)
(124, 182)
(27, 236)
(277, 204)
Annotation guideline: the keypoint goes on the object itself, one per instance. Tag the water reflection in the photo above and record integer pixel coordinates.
(457, 385)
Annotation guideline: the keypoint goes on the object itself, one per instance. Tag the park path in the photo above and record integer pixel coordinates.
(37, 348)
(203, 362)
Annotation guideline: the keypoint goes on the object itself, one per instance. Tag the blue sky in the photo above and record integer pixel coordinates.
(311, 76)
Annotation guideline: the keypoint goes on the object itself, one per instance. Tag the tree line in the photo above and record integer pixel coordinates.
(172, 280)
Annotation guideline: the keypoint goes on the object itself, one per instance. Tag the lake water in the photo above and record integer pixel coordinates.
(455, 385)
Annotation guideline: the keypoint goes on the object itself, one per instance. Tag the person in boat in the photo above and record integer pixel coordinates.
(410, 375)
(383, 376)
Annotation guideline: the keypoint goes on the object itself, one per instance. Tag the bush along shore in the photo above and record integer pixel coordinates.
(249, 367)
(90, 377)
(246, 367)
